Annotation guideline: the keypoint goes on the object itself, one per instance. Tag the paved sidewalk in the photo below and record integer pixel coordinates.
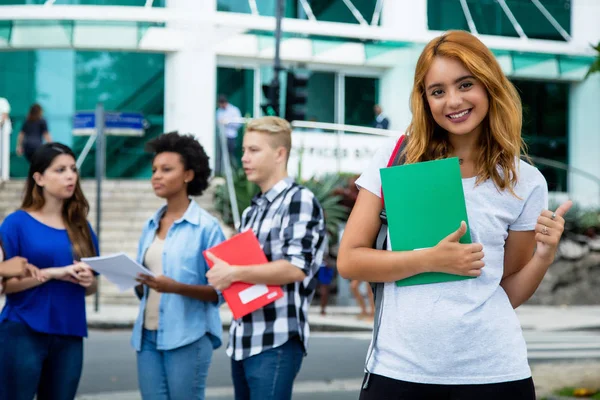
(338, 319)
(543, 318)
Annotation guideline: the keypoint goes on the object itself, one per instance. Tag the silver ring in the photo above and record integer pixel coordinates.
(553, 216)
(545, 230)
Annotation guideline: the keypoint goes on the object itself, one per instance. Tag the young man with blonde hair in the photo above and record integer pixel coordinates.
(268, 345)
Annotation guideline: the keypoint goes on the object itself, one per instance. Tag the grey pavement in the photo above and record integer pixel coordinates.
(333, 368)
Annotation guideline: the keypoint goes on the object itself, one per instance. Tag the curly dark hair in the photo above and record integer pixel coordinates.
(192, 155)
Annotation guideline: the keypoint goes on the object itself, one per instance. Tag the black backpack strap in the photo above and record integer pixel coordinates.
(377, 287)
(378, 293)
(400, 157)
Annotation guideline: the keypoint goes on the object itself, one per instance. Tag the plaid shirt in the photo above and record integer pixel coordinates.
(288, 221)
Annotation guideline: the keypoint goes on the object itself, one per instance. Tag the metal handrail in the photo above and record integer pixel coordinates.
(86, 149)
(332, 127)
(226, 164)
(569, 169)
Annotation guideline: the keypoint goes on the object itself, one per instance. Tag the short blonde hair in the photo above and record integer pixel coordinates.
(278, 129)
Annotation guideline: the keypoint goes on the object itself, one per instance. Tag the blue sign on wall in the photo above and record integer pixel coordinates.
(115, 123)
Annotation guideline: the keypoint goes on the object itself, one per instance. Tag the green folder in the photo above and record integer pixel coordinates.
(424, 203)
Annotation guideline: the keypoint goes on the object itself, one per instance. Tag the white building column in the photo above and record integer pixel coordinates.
(407, 19)
(584, 118)
(190, 77)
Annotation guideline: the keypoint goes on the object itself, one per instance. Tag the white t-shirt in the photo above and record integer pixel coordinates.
(461, 332)
(5, 125)
(4, 106)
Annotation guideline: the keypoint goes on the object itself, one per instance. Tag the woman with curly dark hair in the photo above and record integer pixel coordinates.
(178, 325)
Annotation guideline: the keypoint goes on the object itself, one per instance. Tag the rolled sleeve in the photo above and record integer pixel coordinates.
(303, 232)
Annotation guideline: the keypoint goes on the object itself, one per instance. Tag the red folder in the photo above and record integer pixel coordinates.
(244, 298)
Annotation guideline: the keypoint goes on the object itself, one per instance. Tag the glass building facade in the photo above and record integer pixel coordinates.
(339, 91)
(66, 81)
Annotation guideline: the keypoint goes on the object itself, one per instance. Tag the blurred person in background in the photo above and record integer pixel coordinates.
(227, 114)
(33, 133)
(5, 125)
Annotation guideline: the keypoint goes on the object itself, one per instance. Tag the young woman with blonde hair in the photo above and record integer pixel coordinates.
(43, 322)
(460, 339)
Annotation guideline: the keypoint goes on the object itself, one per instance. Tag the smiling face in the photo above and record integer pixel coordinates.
(60, 178)
(457, 100)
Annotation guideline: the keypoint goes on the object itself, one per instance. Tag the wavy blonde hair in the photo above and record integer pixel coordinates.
(501, 142)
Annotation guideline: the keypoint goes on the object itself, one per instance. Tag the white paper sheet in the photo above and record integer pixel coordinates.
(118, 268)
(252, 293)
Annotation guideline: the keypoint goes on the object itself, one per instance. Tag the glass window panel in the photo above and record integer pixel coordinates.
(157, 3)
(123, 82)
(238, 86)
(237, 6)
(5, 32)
(545, 122)
(64, 81)
(490, 18)
(320, 106)
(337, 11)
(17, 85)
(103, 2)
(361, 96)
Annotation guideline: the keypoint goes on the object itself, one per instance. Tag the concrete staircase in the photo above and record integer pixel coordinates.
(126, 206)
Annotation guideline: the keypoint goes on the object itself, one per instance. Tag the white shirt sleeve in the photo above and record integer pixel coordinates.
(536, 200)
(370, 178)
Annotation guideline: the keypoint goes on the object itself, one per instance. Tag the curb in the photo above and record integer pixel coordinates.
(314, 327)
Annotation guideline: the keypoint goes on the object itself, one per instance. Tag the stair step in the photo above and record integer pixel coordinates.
(126, 206)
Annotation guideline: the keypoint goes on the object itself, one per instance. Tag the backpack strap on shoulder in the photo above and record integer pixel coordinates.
(397, 157)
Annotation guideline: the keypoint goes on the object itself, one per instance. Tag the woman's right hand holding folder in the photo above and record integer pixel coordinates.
(451, 257)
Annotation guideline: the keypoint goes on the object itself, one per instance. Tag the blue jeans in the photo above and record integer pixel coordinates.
(269, 375)
(38, 363)
(178, 374)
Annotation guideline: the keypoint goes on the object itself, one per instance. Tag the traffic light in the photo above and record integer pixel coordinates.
(271, 93)
(296, 96)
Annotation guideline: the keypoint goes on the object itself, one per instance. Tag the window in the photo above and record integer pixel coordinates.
(324, 10)
(545, 126)
(490, 19)
(361, 96)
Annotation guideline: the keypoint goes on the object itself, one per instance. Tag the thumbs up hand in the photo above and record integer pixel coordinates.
(548, 231)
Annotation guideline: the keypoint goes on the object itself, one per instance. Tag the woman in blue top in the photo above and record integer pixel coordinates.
(43, 322)
(16, 267)
(178, 325)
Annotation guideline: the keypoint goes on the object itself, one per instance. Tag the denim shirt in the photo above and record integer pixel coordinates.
(182, 320)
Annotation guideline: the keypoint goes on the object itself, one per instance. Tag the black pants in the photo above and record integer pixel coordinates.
(383, 388)
(32, 362)
(29, 151)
